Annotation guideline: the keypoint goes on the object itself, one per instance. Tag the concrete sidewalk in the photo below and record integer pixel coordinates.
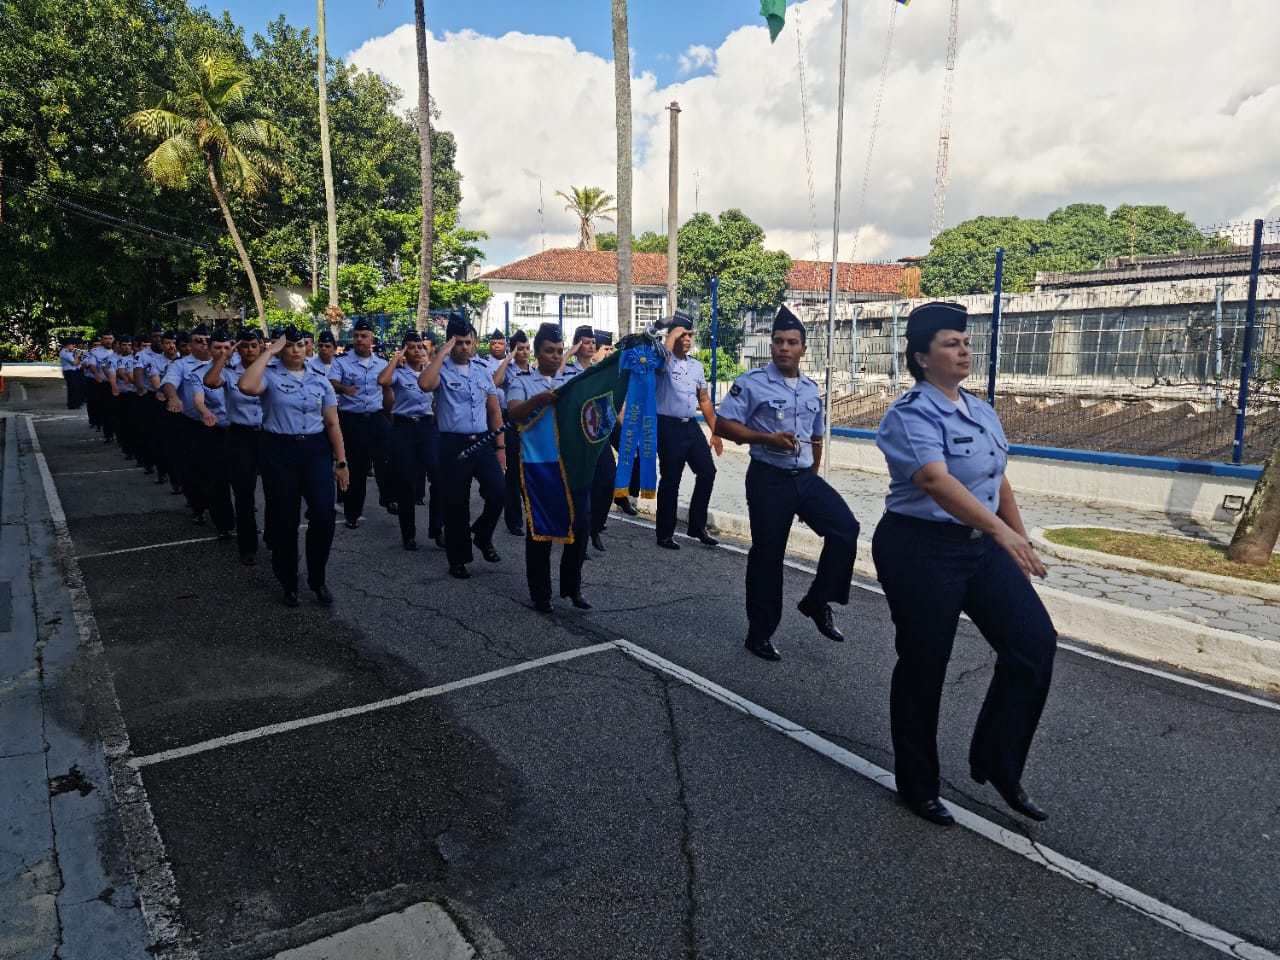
(1225, 635)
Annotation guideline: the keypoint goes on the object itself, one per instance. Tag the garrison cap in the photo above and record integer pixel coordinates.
(169, 335)
(362, 324)
(104, 334)
(200, 331)
(183, 336)
(221, 336)
(410, 336)
(458, 326)
(518, 337)
(497, 335)
(141, 338)
(604, 338)
(928, 318)
(786, 320)
(429, 337)
(583, 332)
(681, 320)
(249, 334)
(157, 328)
(292, 334)
(548, 333)
(326, 337)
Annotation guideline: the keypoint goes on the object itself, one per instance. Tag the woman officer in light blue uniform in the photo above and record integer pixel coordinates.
(952, 540)
(301, 455)
(415, 441)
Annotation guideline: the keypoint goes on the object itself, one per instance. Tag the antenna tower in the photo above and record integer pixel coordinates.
(944, 134)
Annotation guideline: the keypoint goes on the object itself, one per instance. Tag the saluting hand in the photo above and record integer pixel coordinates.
(277, 345)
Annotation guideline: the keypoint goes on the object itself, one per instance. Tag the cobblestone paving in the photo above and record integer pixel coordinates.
(865, 495)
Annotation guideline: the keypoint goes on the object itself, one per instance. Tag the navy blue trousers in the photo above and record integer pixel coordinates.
(537, 556)
(513, 502)
(415, 453)
(456, 476)
(931, 572)
(75, 388)
(210, 480)
(775, 497)
(681, 443)
(366, 439)
(242, 468)
(293, 470)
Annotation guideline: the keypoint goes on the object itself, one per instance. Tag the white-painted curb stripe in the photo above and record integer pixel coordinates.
(277, 728)
(149, 546)
(1039, 854)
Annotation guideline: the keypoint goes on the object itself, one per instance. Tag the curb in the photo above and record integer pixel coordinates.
(1231, 586)
(1141, 634)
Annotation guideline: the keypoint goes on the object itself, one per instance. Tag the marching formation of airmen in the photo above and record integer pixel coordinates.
(210, 415)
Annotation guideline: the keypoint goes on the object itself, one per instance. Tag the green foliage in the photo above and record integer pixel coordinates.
(588, 204)
(647, 242)
(751, 277)
(726, 366)
(1082, 236)
(275, 317)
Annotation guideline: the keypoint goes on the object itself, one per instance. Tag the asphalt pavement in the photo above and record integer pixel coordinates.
(624, 782)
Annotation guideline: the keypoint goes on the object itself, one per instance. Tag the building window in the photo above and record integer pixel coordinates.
(577, 305)
(528, 304)
(649, 308)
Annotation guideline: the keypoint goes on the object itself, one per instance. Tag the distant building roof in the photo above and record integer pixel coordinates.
(560, 265)
(1184, 265)
(850, 277)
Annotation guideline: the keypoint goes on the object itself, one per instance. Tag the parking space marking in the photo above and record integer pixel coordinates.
(90, 473)
(1069, 647)
(157, 890)
(137, 763)
(1159, 911)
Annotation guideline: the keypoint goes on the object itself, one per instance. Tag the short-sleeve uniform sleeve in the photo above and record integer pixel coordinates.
(736, 404)
(330, 397)
(909, 440)
(819, 420)
(519, 389)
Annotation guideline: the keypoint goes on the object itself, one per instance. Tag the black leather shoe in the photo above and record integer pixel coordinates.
(197, 517)
(932, 809)
(324, 596)
(820, 614)
(410, 543)
(668, 543)
(597, 542)
(352, 524)
(703, 537)
(578, 600)
(1016, 798)
(290, 598)
(487, 551)
(624, 504)
(763, 649)
(459, 571)
(515, 531)
(438, 539)
(543, 606)
(392, 508)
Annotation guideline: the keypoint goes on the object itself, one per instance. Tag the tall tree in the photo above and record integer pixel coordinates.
(330, 204)
(589, 204)
(428, 187)
(622, 108)
(208, 124)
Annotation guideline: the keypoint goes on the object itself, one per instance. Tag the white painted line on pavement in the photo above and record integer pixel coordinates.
(156, 888)
(276, 728)
(1037, 853)
(149, 546)
(23, 387)
(90, 473)
(1069, 647)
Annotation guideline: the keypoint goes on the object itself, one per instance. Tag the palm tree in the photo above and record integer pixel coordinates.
(208, 124)
(326, 158)
(590, 203)
(622, 107)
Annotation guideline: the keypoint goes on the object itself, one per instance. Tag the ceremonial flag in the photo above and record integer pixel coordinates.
(559, 447)
(774, 12)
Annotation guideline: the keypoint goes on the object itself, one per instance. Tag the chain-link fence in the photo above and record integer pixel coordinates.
(1141, 356)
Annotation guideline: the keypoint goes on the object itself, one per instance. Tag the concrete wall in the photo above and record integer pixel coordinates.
(604, 304)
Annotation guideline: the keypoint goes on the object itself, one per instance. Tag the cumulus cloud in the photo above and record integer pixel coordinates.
(1091, 101)
(696, 58)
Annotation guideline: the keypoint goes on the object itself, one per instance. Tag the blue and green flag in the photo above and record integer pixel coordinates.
(774, 13)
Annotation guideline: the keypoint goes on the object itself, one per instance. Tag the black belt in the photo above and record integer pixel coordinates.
(936, 528)
(663, 416)
(789, 471)
(293, 436)
(246, 428)
(352, 413)
(464, 436)
(425, 418)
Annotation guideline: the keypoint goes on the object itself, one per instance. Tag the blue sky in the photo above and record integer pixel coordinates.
(660, 29)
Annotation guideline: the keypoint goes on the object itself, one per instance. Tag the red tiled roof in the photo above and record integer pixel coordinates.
(560, 265)
(850, 277)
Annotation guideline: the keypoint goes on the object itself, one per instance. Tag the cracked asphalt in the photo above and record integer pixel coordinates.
(598, 808)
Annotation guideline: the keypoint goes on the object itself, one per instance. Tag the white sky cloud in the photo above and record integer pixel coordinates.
(1092, 101)
(696, 58)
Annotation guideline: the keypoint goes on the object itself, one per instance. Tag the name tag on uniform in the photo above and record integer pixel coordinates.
(779, 409)
(962, 439)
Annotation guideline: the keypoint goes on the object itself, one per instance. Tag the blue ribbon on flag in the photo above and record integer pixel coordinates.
(640, 424)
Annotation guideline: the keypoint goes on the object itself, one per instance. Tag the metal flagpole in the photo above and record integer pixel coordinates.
(835, 235)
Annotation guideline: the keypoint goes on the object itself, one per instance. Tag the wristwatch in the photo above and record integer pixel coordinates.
(340, 465)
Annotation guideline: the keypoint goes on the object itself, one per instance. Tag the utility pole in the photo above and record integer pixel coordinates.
(673, 219)
(315, 280)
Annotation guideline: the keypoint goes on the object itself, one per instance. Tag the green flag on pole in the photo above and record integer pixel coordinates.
(774, 11)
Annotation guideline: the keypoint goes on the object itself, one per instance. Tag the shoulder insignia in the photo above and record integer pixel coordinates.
(735, 390)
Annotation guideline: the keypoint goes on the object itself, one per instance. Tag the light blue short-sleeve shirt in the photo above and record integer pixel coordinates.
(242, 409)
(409, 399)
(530, 383)
(362, 373)
(294, 404)
(678, 384)
(923, 426)
(763, 400)
(461, 398)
